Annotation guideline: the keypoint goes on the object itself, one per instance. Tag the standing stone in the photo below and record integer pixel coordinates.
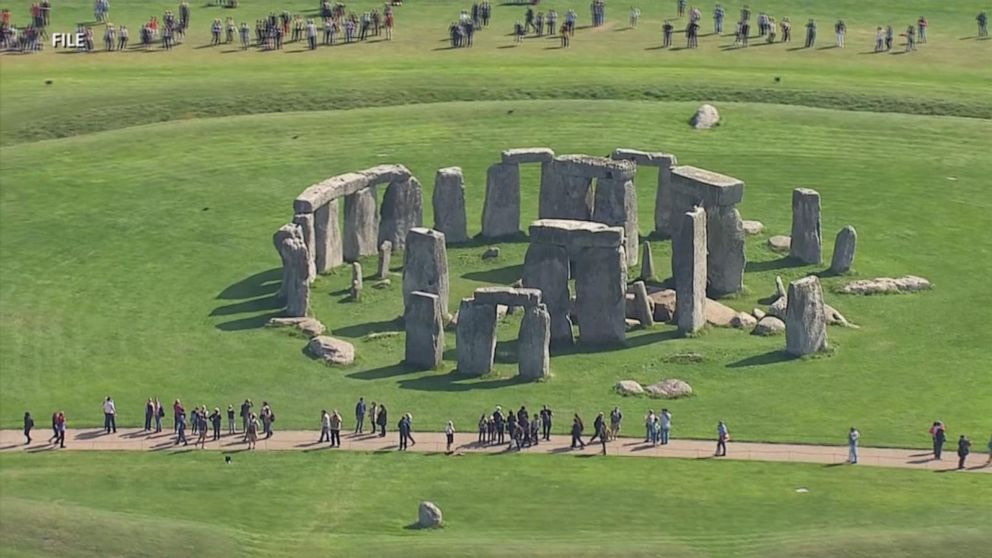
(726, 259)
(663, 197)
(647, 262)
(475, 337)
(305, 221)
(327, 237)
(546, 268)
(296, 269)
(616, 205)
(356, 281)
(642, 307)
(689, 270)
(361, 224)
(600, 301)
(806, 238)
(533, 341)
(844, 248)
(385, 254)
(425, 265)
(805, 319)
(564, 194)
(448, 201)
(424, 330)
(501, 209)
(402, 209)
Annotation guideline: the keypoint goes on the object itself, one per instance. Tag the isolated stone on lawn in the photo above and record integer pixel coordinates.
(429, 516)
(780, 243)
(706, 117)
(331, 350)
(887, 285)
(628, 387)
(669, 389)
(308, 326)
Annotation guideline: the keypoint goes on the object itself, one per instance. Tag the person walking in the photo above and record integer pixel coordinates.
(251, 431)
(722, 435)
(181, 429)
(852, 445)
(335, 424)
(381, 420)
(109, 415)
(201, 425)
(546, 423)
(55, 427)
(245, 416)
(598, 427)
(360, 409)
(149, 414)
(666, 426)
(964, 448)
(601, 431)
(60, 429)
(983, 24)
(577, 429)
(939, 435)
(325, 427)
(449, 435)
(409, 429)
(616, 417)
(28, 425)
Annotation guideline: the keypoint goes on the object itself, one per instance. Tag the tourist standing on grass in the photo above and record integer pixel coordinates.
(718, 14)
(122, 37)
(149, 413)
(498, 422)
(680, 4)
(245, 33)
(810, 33)
(692, 35)
(921, 27)
(722, 435)
(360, 415)
(666, 34)
(216, 419)
(181, 429)
(577, 428)
(194, 424)
(60, 429)
(910, 38)
(565, 35)
(666, 426)
(852, 445)
(381, 419)
(535, 431)
(889, 37)
(449, 435)
(336, 422)
(311, 34)
(649, 420)
(964, 448)
(109, 415)
(983, 24)
(939, 435)
(483, 424)
(840, 29)
(251, 431)
(879, 40)
(28, 425)
(786, 30)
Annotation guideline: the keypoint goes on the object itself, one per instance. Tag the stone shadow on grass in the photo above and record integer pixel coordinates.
(500, 275)
(264, 283)
(256, 294)
(453, 381)
(771, 357)
(632, 342)
(781, 263)
(361, 330)
(383, 372)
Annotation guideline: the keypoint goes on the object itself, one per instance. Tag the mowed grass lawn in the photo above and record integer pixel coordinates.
(326, 504)
(139, 263)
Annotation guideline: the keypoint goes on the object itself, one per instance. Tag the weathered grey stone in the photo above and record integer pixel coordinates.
(382, 284)
(779, 243)
(672, 388)
(628, 387)
(305, 221)
(402, 209)
(527, 155)
(491, 253)
(642, 158)
(385, 254)
(642, 305)
(752, 228)
(780, 291)
(533, 358)
(743, 320)
(769, 325)
(647, 262)
(706, 188)
(296, 269)
(507, 296)
(425, 265)
(663, 198)
(663, 304)
(361, 225)
(600, 286)
(501, 209)
(706, 117)
(844, 249)
(346, 184)
(331, 350)
(758, 313)
(834, 317)
(719, 314)
(726, 259)
(597, 167)
(616, 205)
(356, 281)
(546, 268)
(448, 201)
(424, 325)
(308, 326)
(327, 237)
(575, 234)
(887, 285)
(806, 236)
(564, 195)
(805, 320)
(429, 516)
(778, 308)
(689, 269)
(476, 337)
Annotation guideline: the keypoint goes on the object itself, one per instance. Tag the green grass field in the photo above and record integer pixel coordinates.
(138, 196)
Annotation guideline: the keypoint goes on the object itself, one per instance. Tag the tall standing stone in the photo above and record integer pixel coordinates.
(616, 205)
(600, 295)
(305, 221)
(689, 270)
(565, 193)
(501, 209)
(296, 277)
(546, 268)
(327, 237)
(402, 209)
(357, 283)
(361, 224)
(663, 197)
(805, 319)
(385, 254)
(448, 201)
(726, 260)
(533, 341)
(806, 236)
(647, 262)
(425, 265)
(424, 325)
(475, 337)
(844, 249)
(642, 308)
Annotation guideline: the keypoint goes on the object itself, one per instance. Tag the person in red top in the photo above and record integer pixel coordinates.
(921, 24)
(60, 428)
(389, 25)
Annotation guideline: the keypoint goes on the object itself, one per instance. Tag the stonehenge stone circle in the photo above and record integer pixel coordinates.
(642, 307)
(424, 324)
(385, 255)
(647, 262)
(718, 195)
(689, 268)
(600, 289)
(361, 225)
(663, 194)
(546, 268)
(844, 248)
(402, 209)
(501, 209)
(616, 205)
(805, 319)
(448, 202)
(475, 337)
(527, 155)
(425, 265)
(564, 195)
(507, 296)
(296, 269)
(533, 343)
(806, 235)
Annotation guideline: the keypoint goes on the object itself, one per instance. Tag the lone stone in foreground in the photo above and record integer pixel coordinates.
(429, 516)
(806, 235)
(805, 318)
(844, 249)
(706, 117)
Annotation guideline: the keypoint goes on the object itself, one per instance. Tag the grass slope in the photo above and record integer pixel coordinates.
(138, 263)
(326, 504)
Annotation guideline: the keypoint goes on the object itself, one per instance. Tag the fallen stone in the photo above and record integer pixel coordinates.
(685, 358)
(805, 321)
(642, 305)
(778, 307)
(844, 248)
(310, 327)
(705, 118)
(779, 243)
(331, 350)
(887, 285)
(663, 304)
(448, 201)
(527, 155)
(669, 389)
(779, 287)
(628, 387)
(806, 245)
(719, 315)
(429, 516)
(491, 253)
(507, 296)
(743, 320)
(752, 228)
(834, 317)
(769, 325)
(630, 324)
(382, 284)
(758, 313)
(533, 342)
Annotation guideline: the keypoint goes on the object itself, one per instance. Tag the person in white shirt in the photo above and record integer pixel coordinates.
(449, 433)
(852, 445)
(109, 416)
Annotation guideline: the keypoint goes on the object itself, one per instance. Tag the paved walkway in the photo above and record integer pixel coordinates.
(138, 440)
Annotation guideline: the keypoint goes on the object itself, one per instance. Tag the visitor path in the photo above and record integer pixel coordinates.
(138, 440)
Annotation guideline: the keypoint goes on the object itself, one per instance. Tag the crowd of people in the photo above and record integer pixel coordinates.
(519, 429)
